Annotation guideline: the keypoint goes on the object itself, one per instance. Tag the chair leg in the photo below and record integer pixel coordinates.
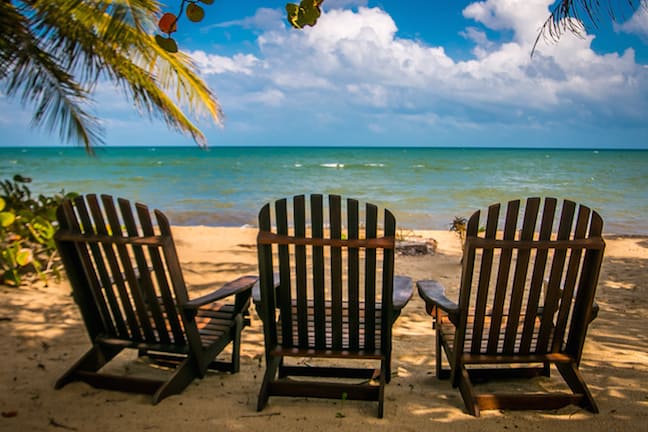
(438, 354)
(181, 378)
(576, 383)
(236, 344)
(384, 369)
(272, 364)
(93, 360)
(467, 391)
(546, 369)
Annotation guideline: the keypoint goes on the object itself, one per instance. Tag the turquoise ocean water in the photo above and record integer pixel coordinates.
(425, 187)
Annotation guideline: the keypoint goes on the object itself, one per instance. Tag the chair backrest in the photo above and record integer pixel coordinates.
(529, 277)
(124, 271)
(332, 266)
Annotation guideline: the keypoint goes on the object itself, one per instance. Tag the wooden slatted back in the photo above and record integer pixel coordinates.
(529, 278)
(124, 271)
(333, 268)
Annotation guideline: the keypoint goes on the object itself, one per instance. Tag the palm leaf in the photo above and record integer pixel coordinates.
(570, 16)
(55, 52)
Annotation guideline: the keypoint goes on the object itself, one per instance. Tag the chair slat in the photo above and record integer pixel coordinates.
(301, 270)
(285, 288)
(105, 279)
(537, 279)
(371, 232)
(117, 274)
(554, 288)
(584, 298)
(266, 278)
(520, 275)
(131, 279)
(319, 295)
(571, 279)
(335, 223)
(169, 295)
(385, 307)
(353, 272)
(485, 272)
(504, 268)
(144, 272)
(77, 254)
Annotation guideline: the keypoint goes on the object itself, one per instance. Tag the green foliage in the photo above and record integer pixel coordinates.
(27, 227)
(458, 225)
(304, 14)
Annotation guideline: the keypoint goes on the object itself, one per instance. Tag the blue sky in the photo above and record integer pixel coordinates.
(397, 73)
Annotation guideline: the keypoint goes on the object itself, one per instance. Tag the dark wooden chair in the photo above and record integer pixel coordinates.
(526, 298)
(327, 292)
(128, 284)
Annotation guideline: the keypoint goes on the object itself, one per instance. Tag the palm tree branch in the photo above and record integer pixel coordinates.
(79, 42)
(35, 76)
(569, 16)
(146, 72)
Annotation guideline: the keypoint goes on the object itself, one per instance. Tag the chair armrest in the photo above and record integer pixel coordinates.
(433, 293)
(237, 286)
(402, 292)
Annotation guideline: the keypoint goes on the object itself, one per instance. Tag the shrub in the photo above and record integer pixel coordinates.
(27, 226)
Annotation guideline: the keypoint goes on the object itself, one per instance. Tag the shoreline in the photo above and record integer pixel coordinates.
(43, 335)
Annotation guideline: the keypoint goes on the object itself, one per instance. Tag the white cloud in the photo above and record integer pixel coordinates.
(482, 44)
(637, 24)
(353, 73)
(525, 17)
(353, 66)
(271, 97)
(215, 64)
(360, 52)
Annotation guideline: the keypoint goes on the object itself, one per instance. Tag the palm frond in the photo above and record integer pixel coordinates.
(37, 79)
(572, 16)
(67, 46)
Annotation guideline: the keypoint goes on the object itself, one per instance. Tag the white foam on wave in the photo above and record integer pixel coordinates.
(332, 165)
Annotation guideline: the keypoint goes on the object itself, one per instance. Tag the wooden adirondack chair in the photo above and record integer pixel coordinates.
(128, 284)
(327, 292)
(526, 298)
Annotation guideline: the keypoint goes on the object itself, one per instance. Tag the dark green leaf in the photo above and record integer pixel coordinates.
(195, 13)
(168, 44)
(292, 11)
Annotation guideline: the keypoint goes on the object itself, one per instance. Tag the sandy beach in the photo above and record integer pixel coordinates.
(41, 335)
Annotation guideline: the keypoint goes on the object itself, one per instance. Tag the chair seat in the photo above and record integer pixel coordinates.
(215, 321)
(348, 330)
(448, 331)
